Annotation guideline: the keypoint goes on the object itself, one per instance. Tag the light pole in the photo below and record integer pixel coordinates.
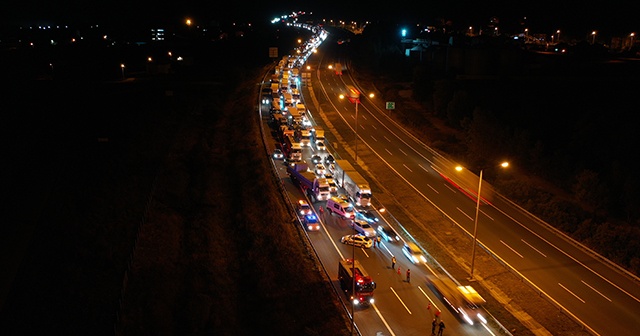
(558, 32)
(122, 68)
(593, 35)
(475, 221)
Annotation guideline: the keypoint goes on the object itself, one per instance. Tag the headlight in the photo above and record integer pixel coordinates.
(482, 319)
(371, 301)
(356, 301)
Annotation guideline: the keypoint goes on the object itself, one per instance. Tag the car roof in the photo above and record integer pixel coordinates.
(413, 247)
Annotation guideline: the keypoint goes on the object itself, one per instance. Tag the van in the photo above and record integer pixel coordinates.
(340, 207)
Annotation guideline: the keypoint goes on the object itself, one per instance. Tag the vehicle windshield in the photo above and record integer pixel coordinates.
(324, 189)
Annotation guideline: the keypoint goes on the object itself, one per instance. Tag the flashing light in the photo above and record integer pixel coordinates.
(404, 33)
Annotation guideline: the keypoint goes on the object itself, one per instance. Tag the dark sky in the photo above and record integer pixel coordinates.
(615, 16)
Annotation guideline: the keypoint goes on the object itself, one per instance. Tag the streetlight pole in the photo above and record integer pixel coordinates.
(353, 285)
(475, 227)
(593, 34)
(122, 68)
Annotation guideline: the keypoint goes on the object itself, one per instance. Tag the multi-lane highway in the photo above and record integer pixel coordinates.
(401, 307)
(597, 294)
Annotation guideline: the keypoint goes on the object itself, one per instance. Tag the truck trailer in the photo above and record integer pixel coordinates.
(316, 188)
(354, 184)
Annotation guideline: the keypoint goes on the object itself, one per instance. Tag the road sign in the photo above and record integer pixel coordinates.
(391, 105)
(273, 52)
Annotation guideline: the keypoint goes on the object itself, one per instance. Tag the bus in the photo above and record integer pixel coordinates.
(353, 94)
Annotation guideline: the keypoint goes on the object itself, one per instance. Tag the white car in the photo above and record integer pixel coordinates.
(277, 154)
(363, 227)
(414, 253)
(357, 240)
(320, 169)
(320, 146)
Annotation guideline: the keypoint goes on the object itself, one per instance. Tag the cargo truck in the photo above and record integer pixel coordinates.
(316, 188)
(462, 300)
(355, 282)
(356, 187)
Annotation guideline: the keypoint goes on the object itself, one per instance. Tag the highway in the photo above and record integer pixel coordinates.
(401, 307)
(594, 292)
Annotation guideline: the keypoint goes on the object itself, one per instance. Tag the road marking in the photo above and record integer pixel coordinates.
(484, 213)
(383, 320)
(470, 218)
(448, 187)
(388, 151)
(535, 249)
(570, 292)
(363, 116)
(432, 188)
(376, 140)
(512, 250)
(374, 127)
(399, 299)
(595, 290)
(405, 154)
(407, 167)
(386, 138)
(433, 304)
(423, 168)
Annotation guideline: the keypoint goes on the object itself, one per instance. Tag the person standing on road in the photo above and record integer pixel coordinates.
(378, 239)
(434, 324)
(393, 262)
(441, 328)
(408, 275)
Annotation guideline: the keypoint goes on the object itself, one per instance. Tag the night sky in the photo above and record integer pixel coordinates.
(615, 17)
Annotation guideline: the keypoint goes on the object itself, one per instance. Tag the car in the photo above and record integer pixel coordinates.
(316, 159)
(277, 154)
(366, 215)
(387, 234)
(344, 197)
(329, 159)
(363, 227)
(328, 175)
(357, 240)
(303, 208)
(311, 222)
(320, 169)
(413, 253)
(320, 146)
(333, 187)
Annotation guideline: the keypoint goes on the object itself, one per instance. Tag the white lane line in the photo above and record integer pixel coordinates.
(363, 116)
(423, 168)
(374, 127)
(405, 154)
(433, 304)
(464, 213)
(448, 187)
(383, 320)
(388, 151)
(512, 250)
(484, 213)
(407, 167)
(399, 299)
(432, 188)
(570, 292)
(376, 140)
(595, 290)
(386, 138)
(533, 248)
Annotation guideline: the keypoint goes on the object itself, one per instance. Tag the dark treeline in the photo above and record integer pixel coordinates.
(567, 119)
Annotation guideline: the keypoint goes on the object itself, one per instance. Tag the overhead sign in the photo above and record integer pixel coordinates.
(391, 105)
(273, 52)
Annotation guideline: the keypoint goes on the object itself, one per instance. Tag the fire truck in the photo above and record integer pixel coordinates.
(364, 285)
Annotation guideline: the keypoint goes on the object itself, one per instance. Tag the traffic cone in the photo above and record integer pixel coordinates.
(398, 270)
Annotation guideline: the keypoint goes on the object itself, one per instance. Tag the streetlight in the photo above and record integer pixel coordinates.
(631, 37)
(475, 222)
(593, 34)
(558, 32)
(122, 68)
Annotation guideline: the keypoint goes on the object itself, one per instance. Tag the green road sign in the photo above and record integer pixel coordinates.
(391, 105)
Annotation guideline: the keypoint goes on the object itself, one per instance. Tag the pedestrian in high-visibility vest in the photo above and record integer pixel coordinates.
(408, 275)
(393, 262)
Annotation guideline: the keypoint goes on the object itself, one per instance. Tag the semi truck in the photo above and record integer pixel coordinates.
(462, 300)
(316, 188)
(292, 148)
(352, 276)
(356, 186)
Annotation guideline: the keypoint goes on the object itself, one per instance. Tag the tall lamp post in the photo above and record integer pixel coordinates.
(357, 102)
(475, 221)
(122, 68)
(593, 35)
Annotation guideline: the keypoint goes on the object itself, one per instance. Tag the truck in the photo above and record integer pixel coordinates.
(316, 188)
(355, 282)
(305, 139)
(462, 300)
(275, 88)
(356, 186)
(292, 149)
